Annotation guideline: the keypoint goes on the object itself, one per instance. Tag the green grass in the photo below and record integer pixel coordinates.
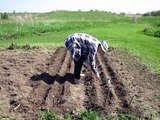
(87, 115)
(51, 29)
(149, 20)
(48, 115)
(84, 16)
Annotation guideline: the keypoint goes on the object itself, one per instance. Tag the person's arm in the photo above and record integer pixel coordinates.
(74, 48)
(92, 56)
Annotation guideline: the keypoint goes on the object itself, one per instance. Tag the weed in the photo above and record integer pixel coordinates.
(114, 116)
(88, 115)
(13, 46)
(48, 115)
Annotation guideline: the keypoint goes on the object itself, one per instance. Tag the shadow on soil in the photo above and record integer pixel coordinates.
(49, 79)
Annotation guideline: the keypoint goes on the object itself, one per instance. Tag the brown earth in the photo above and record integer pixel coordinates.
(35, 80)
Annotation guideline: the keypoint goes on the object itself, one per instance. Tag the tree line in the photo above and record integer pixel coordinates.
(3, 16)
(152, 13)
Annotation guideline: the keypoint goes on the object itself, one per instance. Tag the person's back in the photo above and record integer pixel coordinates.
(83, 41)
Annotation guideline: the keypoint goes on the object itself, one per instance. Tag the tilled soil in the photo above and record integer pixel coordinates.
(36, 80)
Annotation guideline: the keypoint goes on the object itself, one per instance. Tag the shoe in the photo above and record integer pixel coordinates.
(77, 81)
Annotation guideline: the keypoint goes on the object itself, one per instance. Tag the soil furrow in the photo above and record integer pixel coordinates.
(94, 93)
(56, 61)
(44, 91)
(74, 94)
(54, 68)
(59, 86)
(110, 95)
(117, 88)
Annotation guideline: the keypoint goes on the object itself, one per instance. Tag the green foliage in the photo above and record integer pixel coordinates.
(157, 33)
(111, 116)
(26, 46)
(15, 31)
(84, 16)
(7, 118)
(4, 16)
(68, 117)
(128, 117)
(13, 46)
(152, 31)
(88, 115)
(150, 20)
(48, 115)
(153, 26)
(152, 13)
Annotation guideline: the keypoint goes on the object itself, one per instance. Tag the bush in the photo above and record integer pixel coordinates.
(152, 31)
(157, 33)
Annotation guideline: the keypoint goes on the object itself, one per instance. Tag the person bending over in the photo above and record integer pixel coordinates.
(83, 48)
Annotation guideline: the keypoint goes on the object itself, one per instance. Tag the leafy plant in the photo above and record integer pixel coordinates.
(13, 46)
(152, 31)
(48, 115)
(112, 116)
(128, 117)
(68, 117)
(88, 115)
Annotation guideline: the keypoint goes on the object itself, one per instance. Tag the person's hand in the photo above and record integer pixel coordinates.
(86, 64)
(97, 76)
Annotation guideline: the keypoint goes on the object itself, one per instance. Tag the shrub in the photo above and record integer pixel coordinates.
(152, 31)
(157, 33)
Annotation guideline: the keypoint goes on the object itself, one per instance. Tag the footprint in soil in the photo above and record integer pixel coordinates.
(49, 79)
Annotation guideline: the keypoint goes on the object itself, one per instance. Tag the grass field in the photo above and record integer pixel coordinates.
(50, 29)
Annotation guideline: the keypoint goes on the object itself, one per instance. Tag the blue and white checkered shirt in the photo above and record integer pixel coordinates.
(83, 44)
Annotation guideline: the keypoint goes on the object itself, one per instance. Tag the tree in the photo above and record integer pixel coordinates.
(122, 13)
(4, 16)
(152, 13)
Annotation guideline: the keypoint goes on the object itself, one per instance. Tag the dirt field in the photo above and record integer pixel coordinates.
(34, 80)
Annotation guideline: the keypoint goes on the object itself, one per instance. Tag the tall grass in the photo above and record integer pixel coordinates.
(14, 30)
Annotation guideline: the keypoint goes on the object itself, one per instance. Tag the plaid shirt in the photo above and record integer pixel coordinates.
(83, 44)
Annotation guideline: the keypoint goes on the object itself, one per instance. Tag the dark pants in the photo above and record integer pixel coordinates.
(78, 66)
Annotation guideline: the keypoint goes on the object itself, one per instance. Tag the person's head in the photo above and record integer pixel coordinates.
(102, 47)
